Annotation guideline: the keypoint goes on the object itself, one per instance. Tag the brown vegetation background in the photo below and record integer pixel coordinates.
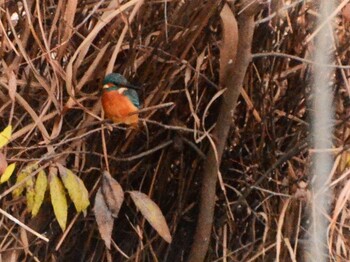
(53, 57)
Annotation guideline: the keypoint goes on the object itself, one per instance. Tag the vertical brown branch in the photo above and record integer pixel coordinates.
(232, 78)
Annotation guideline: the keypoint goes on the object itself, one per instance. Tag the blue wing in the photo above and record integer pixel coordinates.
(133, 96)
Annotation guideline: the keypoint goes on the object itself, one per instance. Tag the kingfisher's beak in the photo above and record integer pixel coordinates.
(132, 86)
(106, 86)
(122, 90)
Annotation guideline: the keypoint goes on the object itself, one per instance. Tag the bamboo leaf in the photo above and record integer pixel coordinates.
(75, 187)
(113, 193)
(104, 218)
(58, 199)
(7, 173)
(152, 213)
(40, 189)
(5, 136)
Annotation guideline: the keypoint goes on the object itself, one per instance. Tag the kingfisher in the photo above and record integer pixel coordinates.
(120, 99)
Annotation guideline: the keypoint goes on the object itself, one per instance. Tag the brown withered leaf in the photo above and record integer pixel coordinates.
(104, 218)
(12, 85)
(113, 193)
(152, 213)
(3, 163)
(25, 241)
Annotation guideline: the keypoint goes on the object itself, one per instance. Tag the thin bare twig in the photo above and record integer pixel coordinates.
(15, 220)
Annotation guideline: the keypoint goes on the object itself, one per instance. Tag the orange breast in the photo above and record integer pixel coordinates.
(117, 107)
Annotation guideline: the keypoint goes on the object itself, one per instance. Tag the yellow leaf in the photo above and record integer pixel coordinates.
(152, 213)
(30, 193)
(85, 202)
(40, 189)
(7, 173)
(5, 136)
(21, 176)
(58, 200)
(75, 187)
(31, 167)
(19, 190)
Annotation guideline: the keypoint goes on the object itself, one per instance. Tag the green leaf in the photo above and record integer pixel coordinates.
(58, 199)
(40, 189)
(7, 173)
(5, 136)
(152, 213)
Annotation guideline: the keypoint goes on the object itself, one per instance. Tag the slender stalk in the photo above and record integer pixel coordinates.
(322, 137)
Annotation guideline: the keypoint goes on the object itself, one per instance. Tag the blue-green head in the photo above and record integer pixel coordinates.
(115, 81)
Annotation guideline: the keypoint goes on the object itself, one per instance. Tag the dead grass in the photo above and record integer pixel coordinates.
(54, 55)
